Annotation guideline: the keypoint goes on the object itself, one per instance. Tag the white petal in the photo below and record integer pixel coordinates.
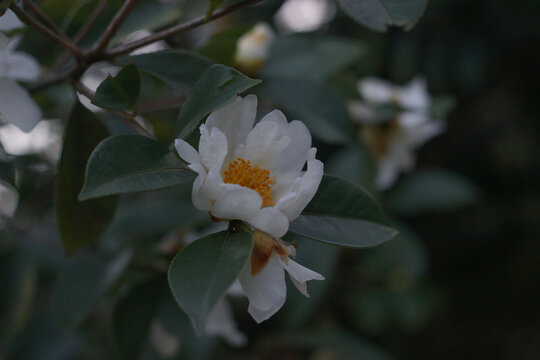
(23, 67)
(212, 187)
(376, 91)
(9, 21)
(235, 119)
(300, 275)
(212, 147)
(17, 107)
(236, 202)
(308, 187)
(269, 220)
(266, 291)
(221, 323)
(236, 288)
(294, 156)
(265, 143)
(187, 152)
(419, 128)
(9, 198)
(200, 202)
(414, 95)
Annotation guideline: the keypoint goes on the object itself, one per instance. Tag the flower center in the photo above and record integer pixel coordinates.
(242, 173)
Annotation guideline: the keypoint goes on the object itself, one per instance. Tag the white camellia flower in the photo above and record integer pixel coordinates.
(254, 174)
(393, 138)
(253, 47)
(251, 173)
(16, 105)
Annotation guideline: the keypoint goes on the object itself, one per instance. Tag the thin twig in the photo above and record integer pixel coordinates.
(94, 16)
(59, 38)
(40, 15)
(177, 29)
(112, 28)
(127, 118)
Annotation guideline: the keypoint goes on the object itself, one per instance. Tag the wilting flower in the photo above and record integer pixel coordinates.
(263, 280)
(251, 173)
(395, 121)
(253, 47)
(255, 174)
(16, 105)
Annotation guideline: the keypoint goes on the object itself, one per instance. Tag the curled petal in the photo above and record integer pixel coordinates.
(270, 220)
(212, 147)
(266, 291)
(187, 152)
(234, 119)
(308, 185)
(299, 275)
(236, 202)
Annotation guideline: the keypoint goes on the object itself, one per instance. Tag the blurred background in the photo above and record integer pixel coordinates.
(461, 280)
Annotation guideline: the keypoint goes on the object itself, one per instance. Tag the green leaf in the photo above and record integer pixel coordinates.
(178, 68)
(133, 316)
(217, 85)
(127, 163)
(80, 223)
(378, 15)
(432, 190)
(82, 282)
(300, 57)
(119, 92)
(343, 214)
(201, 273)
(315, 104)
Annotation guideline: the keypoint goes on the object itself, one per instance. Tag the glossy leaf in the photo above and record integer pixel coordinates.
(299, 57)
(127, 163)
(315, 104)
(217, 85)
(82, 282)
(80, 223)
(343, 214)
(177, 68)
(378, 15)
(121, 91)
(432, 190)
(201, 273)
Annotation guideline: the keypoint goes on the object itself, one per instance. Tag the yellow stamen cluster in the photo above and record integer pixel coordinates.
(242, 173)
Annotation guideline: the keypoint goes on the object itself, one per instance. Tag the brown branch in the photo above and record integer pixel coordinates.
(112, 28)
(177, 29)
(57, 37)
(127, 118)
(41, 16)
(94, 16)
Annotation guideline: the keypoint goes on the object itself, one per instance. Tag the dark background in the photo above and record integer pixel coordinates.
(485, 259)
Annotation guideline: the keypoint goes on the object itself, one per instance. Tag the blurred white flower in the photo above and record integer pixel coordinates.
(393, 133)
(252, 48)
(44, 139)
(304, 15)
(251, 173)
(16, 105)
(150, 48)
(263, 279)
(9, 21)
(92, 77)
(9, 198)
